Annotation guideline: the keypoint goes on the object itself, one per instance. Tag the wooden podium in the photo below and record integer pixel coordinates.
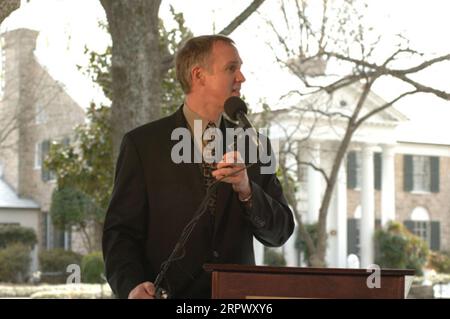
(248, 282)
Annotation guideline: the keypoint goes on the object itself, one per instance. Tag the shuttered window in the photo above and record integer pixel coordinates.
(428, 231)
(421, 173)
(354, 170)
(353, 235)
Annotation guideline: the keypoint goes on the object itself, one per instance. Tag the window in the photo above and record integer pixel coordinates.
(41, 151)
(354, 170)
(52, 237)
(354, 232)
(421, 173)
(41, 115)
(422, 230)
(421, 226)
(9, 224)
(38, 156)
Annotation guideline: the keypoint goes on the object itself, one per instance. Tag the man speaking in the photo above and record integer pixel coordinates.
(155, 197)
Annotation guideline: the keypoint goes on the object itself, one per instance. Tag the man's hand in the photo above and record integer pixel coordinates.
(145, 290)
(232, 162)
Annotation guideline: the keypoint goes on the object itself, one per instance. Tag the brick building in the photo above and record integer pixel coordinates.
(34, 111)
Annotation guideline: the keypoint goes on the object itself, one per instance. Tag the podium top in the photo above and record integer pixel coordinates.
(305, 270)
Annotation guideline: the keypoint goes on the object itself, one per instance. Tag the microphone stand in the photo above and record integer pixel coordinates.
(161, 293)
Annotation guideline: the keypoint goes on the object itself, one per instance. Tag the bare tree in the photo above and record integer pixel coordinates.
(314, 46)
(139, 62)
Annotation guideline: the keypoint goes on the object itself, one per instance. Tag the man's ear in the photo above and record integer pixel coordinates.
(198, 75)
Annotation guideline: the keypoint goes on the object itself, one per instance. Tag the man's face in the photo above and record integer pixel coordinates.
(223, 77)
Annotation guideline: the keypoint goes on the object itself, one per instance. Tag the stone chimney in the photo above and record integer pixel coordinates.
(18, 48)
(19, 76)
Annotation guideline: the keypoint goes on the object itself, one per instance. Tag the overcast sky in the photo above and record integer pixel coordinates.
(68, 25)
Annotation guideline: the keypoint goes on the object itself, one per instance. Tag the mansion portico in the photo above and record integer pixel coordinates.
(384, 176)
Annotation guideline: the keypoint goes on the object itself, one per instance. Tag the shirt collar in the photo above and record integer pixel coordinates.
(191, 116)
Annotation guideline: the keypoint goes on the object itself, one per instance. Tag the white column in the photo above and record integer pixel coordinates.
(367, 208)
(314, 184)
(336, 255)
(341, 206)
(259, 252)
(388, 185)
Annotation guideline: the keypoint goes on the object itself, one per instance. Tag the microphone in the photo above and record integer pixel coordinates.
(236, 110)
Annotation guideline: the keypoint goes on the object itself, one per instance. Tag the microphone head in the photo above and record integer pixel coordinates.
(233, 105)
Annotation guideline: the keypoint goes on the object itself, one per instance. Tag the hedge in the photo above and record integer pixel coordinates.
(10, 234)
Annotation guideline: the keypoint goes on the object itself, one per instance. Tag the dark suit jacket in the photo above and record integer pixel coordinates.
(153, 200)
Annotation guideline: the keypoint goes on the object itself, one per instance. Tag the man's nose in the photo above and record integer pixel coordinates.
(240, 77)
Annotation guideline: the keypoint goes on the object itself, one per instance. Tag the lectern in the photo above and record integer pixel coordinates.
(248, 282)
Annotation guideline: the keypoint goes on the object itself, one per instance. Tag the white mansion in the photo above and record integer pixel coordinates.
(385, 176)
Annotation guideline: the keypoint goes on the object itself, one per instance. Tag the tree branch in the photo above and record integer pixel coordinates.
(424, 65)
(423, 88)
(318, 169)
(168, 60)
(379, 109)
(242, 17)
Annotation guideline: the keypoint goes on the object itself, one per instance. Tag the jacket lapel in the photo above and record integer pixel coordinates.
(190, 172)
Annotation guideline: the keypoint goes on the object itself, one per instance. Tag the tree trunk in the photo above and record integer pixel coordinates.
(135, 64)
(318, 258)
(7, 7)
